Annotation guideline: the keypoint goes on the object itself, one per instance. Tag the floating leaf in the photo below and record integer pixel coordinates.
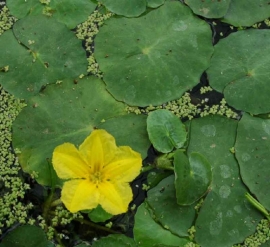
(209, 8)
(252, 152)
(68, 12)
(62, 113)
(148, 233)
(128, 8)
(247, 13)
(240, 71)
(115, 240)
(129, 130)
(165, 131)
(98, 214)
(21, 8)
(192, 177)
(37, 60)
(162, 200)
(20, 237)
(154, 3)
(226, 217)
(137, 57)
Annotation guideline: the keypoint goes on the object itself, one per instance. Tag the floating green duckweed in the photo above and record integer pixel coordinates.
(87, 31)
(184, 108)
(261, 236)
(6, 20)
(12, 187)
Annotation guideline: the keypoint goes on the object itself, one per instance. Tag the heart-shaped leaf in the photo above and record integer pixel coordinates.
(192, 177)
(165, 131)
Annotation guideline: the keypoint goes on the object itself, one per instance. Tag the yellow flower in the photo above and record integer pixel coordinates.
(98, 172)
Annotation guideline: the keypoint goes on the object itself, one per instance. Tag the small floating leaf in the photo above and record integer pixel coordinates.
(165, 131)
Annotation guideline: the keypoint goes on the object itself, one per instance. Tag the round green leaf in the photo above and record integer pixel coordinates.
(162, 200)
(128, 8)
(36, 60)
(240, 71)
(143, 64)
(193, 176)
(165, 131)
(68, 12)
(72, 12)
(62, 113)
(209, 8)
(20, 237)
(133, 133)
(21, 8)
(154, 3)
(247, 12)
(226, 217)
(147, 232)
(252, 152)
(115, 240)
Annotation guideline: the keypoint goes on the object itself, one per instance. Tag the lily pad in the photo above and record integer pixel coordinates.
(240, 72)
(36, 61)
(114, 240)
(21, 8)
(226, 217)
(154, 3)
(128, 8)
(252, 152)
(247, 13)
(162, 200)
(132, 133)
(193, 176)
(165, 131)
(209, 8)
(62, 113)
(20, 237)
(148, 233)
(142, 65)
(69, 12)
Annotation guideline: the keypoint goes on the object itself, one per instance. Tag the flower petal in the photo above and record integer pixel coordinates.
(115, 198)
(125, 166)
(79, 194)
(68, 163)
(99, 148)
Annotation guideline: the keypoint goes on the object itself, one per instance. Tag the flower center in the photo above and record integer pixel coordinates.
(96, 177)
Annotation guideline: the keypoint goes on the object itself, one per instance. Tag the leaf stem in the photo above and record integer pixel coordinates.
(257, 205)
(96, 226)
